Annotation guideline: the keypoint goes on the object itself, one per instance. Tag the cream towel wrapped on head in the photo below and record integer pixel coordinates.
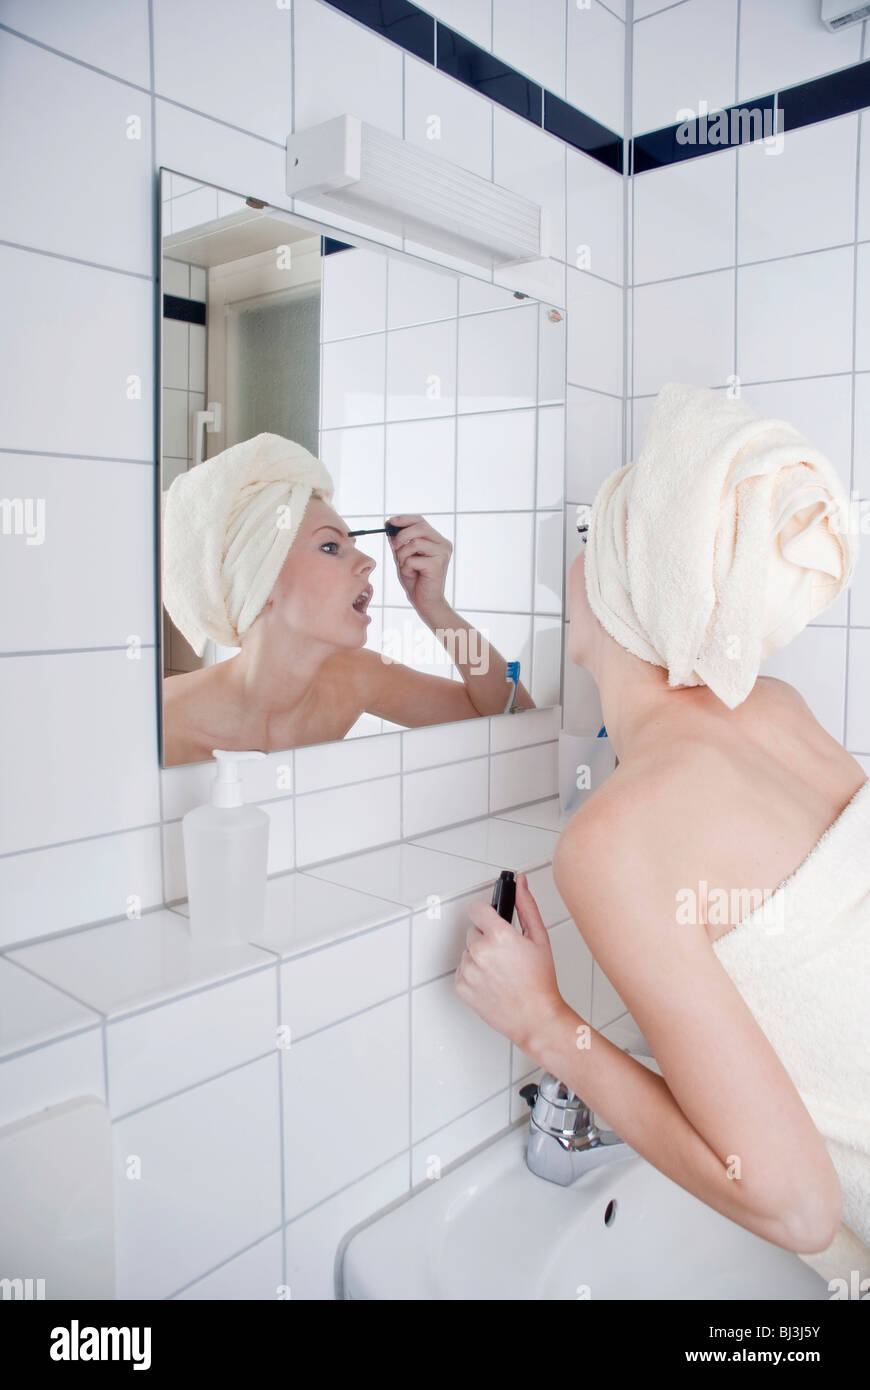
(228, 524)
(719, 544)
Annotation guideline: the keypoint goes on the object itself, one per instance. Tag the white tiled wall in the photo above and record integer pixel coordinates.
(751, 263)
(95, 99)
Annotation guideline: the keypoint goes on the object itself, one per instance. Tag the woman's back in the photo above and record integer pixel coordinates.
(737, 798)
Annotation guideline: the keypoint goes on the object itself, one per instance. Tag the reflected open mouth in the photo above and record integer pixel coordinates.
(361, 602)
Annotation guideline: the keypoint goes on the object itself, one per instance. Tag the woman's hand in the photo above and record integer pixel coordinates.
(510, 979)
(422, 555)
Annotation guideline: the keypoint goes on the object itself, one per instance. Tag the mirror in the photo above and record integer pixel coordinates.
(316, 389)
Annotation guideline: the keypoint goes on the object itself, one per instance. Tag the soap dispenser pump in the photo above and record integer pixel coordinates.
(226, 850)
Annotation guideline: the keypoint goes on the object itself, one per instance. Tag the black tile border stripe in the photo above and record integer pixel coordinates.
(822, 99)
(456, 56)
(187, 310)
(419, 33)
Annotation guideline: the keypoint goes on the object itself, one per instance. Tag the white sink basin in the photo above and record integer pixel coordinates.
(488, 1228)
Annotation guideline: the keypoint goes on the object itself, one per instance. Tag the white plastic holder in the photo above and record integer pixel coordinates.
(585, 763)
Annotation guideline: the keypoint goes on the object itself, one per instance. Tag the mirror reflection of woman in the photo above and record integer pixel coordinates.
(303, 674)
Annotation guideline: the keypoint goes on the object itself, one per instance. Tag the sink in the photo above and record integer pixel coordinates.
(488, 1228)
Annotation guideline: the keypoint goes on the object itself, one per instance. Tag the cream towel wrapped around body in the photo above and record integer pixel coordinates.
(719, 544)
(228, 524)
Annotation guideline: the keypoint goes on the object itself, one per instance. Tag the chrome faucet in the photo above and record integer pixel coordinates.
(563, 1141)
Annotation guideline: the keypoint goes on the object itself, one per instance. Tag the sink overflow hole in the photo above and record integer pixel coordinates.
(610, 1213)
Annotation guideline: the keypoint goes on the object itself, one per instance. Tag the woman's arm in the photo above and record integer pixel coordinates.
(724, 1119)
(483, 669)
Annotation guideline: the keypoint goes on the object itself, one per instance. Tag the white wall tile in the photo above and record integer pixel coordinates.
(370, 1054)
(327, 986)
(312, 1240)
(59, 1071)
(458, 1061)
(776, 217)
(455, 1139)
(210, 1180)
(473, 18)
(49, 890)
(43, 95)
(858, 723)
(447, 118)
(784, 44)
(682, 56)
(594, 217)
(33, 1011)
(255, 1274)
(104, 33)
(595, 78)
(594, 333)
(531, 38)
(794, 317)
(252, 45)
(862, 309)
(534, 726)
(160, 1051)
(218, 154)
(684, 218)
(333, 764)
(442, 743)
(819, 407)
(864, 180)
(815, 663)
(532, 163)
(56, 711)
(66, 390)
(523, 775)
(594, 442)
(363, 76)
(331, 823)
(438, 795)
(96, 518)
(684, 331)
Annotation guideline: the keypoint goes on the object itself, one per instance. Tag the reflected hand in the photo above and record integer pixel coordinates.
(422, 555)
(509, 977)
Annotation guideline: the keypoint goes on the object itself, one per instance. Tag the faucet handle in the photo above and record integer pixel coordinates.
(529, 1093)
(559, 1111)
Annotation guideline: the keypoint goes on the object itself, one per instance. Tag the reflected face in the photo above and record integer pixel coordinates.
(583, 621)
(323, 589)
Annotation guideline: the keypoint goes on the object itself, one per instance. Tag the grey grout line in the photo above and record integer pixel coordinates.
(75, 260)
(78, 458)
(237, 1254)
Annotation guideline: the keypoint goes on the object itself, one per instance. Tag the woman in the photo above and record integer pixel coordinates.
(255, 557)
(729, 792)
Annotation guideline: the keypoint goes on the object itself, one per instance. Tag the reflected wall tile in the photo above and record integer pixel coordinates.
(353, 382)
(353, 293)
(419, 293)
(496, 460)
(493, 559)
(355, 459)
(421, 371)
(498, 360)
(420, 466)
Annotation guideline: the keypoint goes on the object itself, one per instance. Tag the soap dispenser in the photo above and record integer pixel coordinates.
(226, 849)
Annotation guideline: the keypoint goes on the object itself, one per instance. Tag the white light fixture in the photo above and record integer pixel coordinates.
(836, 14)
(363, 173)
